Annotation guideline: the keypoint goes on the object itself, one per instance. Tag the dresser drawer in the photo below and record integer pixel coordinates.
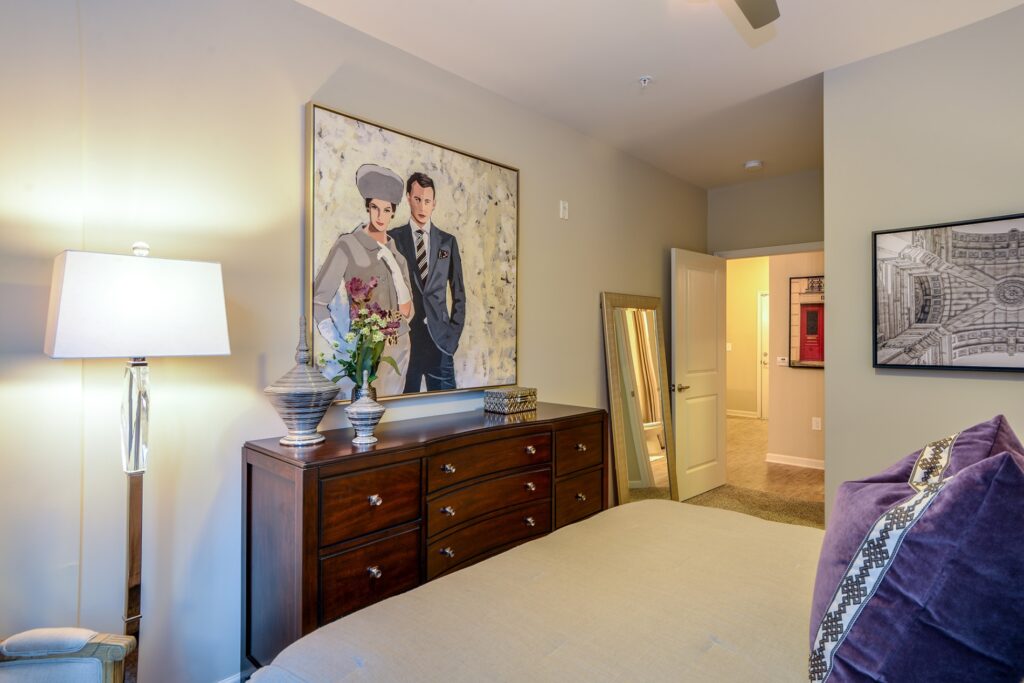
(360, 503)
(578, 448)
(462, 464)
(462, 505)
(463, 545)
(359, 577)
(577, 498)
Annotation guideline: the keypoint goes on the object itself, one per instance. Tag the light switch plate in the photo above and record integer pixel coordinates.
(816, 424)
(563, 210)
(781, 360)
(728, 346)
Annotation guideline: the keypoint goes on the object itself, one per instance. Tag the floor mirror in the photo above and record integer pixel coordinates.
(638, 397)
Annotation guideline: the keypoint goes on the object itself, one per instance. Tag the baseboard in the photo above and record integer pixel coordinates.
(780, 459)
(742, 413)
(232, 679)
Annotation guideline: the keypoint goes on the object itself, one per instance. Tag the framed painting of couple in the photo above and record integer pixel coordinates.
(434, 232)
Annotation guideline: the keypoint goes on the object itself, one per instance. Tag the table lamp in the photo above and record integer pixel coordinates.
(134, 307)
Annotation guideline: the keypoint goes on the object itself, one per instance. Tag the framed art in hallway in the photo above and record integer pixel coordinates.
(950, 296)
(807, 322)
(427, 233)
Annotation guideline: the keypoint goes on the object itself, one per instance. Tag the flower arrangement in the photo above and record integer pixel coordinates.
(370, 329)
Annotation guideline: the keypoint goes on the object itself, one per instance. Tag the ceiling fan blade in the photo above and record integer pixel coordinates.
(759, 12)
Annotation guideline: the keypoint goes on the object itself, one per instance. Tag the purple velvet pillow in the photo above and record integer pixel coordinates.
(921, 575)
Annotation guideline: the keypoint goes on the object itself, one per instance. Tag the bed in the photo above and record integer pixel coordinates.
(654, 590)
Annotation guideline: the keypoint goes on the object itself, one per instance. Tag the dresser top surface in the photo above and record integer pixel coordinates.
(405, 434)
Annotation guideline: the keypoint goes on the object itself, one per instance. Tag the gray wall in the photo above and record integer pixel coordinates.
(766, 213)
(926, 134)
(182, 124)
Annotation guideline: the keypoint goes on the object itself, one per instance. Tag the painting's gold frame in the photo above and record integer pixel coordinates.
(308, 237)
(609, 302)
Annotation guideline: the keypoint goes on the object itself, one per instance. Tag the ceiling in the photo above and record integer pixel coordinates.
(721, 93)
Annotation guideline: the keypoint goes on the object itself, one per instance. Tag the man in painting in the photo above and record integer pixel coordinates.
(367, 252)
(433, 256)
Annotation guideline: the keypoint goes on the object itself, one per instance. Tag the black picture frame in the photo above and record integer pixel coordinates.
(948, 296)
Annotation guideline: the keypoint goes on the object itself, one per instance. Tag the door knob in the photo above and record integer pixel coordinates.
(682, 387)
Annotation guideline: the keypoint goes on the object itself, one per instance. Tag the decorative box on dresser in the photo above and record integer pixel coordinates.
(332, 528)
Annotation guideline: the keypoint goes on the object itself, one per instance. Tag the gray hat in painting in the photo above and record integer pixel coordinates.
(377, 182)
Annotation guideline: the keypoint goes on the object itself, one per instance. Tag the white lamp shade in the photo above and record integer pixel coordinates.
(112, 306)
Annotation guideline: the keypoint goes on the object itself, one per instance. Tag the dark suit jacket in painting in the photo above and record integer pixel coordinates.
(430, 299)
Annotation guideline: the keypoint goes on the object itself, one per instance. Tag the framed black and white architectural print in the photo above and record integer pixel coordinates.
(807, 322)
(950, 296)
(423, 236)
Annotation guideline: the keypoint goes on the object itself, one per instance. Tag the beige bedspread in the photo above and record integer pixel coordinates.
(650, 591)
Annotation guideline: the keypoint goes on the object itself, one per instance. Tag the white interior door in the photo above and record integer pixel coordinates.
(763, 329)
(698, 370)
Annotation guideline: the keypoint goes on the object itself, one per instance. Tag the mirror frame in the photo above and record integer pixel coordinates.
(609, 302)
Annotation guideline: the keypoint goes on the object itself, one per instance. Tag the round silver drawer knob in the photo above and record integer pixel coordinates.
(375, 500)
(532, 450)
(448, 510)
(374, 572)
(448, 468)
(581, 497)
(530, 521)
(530, 486)
(448, 552)
(581, 447)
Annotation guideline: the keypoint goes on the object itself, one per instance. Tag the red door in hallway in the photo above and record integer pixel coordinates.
(812, 332)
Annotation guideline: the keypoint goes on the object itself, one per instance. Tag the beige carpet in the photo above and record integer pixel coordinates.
(781, 493)
(762, 504)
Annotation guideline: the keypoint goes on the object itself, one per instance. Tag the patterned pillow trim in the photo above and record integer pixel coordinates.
(876, 554)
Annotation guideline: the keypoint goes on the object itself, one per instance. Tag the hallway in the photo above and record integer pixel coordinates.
(780, 493)
(746, 446)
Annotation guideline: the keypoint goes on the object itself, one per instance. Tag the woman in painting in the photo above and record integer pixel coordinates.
(365, 253)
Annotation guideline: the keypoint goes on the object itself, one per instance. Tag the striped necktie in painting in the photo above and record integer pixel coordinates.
(421, 256)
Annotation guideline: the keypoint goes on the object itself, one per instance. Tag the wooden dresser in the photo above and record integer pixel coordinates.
(332, 528)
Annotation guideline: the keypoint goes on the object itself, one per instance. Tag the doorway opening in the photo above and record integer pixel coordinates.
(774, 410)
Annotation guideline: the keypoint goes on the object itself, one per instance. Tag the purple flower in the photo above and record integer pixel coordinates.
(357, 290)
